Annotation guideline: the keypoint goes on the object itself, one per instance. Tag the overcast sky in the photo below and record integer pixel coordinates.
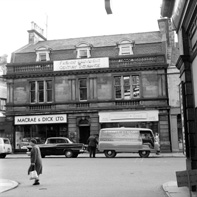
(73, 18)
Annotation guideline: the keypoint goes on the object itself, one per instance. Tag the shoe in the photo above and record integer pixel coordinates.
(36, 183)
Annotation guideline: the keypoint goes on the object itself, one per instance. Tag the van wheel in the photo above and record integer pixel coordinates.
(69, 154)
(110, 153)
(144, 153)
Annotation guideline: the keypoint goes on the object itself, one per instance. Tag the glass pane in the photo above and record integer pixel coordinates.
(82, 83)
(117, 92)
(49, 84)
(117, 81)
(136, 79)
(41, 96)
(136, 91)
(83, 53)
(32, 97)
(32, 85)
(126, 80)
(49, 95)
(40, 85)
(127, 92)
(83, 94)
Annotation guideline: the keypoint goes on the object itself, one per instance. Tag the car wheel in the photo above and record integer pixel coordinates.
(43, 156)
(69, 154)
(3, 156)
(144, 153)
(110, 153)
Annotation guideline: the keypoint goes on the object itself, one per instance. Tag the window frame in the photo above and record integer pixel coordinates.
(42, 51)
(130, 85)
(83, 47)
(123, 44)
(44, 91)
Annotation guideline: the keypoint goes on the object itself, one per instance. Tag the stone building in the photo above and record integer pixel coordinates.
(73, 87)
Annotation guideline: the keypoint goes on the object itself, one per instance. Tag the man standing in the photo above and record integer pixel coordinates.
(92, 143)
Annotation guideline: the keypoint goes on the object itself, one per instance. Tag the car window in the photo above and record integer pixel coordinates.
(62, 141)
(6, 141)
(52, 141)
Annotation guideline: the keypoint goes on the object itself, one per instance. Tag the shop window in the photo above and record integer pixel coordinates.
(127, 87)
(83, 50)
(2, 104)
(41, 91)
(125, 47)
(83, 89)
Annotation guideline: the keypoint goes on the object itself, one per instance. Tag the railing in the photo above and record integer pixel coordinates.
(27, 68)
(41, 107)
(128, 61)
(113, 62)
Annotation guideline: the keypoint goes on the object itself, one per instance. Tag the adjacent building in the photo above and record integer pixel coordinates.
(74, 87)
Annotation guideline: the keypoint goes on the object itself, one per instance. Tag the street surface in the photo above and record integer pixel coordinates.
(127, 175)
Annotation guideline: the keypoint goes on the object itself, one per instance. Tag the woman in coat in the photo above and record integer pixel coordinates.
(36, 160)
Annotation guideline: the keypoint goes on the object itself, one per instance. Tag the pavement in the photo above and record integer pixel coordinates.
(170, 188)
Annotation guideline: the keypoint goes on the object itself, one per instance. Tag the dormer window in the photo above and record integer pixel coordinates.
(42, 54)
(83, 50)
(125, 47)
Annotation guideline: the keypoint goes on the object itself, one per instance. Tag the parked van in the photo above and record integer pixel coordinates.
(5, 147)
(127, 140)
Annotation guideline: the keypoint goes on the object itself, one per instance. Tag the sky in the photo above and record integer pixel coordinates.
(73, 18)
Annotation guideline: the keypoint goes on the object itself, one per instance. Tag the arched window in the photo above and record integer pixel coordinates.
(83, 50)
(125, 47)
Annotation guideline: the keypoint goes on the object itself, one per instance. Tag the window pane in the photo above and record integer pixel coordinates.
(82, 83)
(136, 79)
(136, 91)
(43, 57)
(83, 53)
(49, 95)
(126, 80)
(125, 50)
(40, 91)
(49, 84)
(33, 92)
(83, 94)
(117, 92)
(127, 92)
(117, 81)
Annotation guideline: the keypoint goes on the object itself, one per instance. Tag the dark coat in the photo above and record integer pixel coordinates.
(35, 159)
(92, 141)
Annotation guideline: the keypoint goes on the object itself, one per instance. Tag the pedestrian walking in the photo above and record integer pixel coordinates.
(36, 160)
(157, 143)
(92, 144)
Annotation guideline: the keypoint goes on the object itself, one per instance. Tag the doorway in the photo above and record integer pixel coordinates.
(84, 133)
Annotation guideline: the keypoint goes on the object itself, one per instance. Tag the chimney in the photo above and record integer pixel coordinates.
(36, 34)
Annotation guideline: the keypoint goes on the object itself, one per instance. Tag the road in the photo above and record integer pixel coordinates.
(123, 176)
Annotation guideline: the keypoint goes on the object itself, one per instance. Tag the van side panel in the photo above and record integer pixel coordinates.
(122, 140)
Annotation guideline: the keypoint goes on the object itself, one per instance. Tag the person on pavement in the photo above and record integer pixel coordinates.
(92, 144)
(36, 160)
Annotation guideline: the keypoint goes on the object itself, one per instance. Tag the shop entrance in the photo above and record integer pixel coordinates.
(84, 133)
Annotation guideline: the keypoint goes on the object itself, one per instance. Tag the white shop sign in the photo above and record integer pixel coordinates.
(129, 116)
(40, 119)
(80, 64)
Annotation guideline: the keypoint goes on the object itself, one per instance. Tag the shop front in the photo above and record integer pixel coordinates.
(39, 127)
(141, 119)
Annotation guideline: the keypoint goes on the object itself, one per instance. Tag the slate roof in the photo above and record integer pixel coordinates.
(95, 41)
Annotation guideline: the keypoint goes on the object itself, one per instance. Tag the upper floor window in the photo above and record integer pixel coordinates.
(83, 50)
(83, 89)
(42, 54)
(41, 91)
(125, 47)
(2, 104)
(127, 86)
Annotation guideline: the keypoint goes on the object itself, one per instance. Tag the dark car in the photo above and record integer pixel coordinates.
(60, 146)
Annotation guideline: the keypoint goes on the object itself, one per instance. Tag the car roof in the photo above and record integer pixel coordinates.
(57, 138)
(127, 128)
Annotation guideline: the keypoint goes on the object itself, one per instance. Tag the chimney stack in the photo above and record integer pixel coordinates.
(36, 34)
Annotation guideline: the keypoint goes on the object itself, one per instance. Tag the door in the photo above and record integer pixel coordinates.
(84, 134)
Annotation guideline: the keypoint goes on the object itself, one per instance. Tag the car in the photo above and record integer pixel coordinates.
(60, 146)
(5, 147)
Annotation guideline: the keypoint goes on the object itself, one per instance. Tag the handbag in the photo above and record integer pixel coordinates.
(33, 175)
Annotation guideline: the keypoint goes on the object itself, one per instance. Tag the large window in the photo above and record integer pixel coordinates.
(41, 91)
(83, 89)
(127, 86)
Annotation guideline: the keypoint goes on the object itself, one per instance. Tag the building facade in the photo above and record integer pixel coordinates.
(3, 96)
(74, 87)
(184, 16)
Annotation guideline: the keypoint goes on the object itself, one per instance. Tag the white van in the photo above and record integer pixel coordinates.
(127, 140)
(5, 147)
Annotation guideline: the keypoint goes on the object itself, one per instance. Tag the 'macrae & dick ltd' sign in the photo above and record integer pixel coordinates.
(40, 119)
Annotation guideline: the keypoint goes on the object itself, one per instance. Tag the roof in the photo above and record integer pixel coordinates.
(95, 41)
